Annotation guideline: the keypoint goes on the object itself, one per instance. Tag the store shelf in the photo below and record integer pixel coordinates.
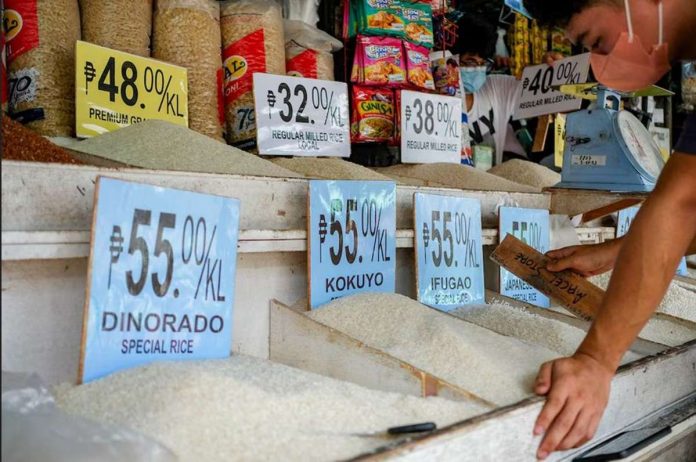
(49, 245)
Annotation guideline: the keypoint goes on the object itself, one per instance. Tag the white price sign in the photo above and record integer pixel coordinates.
(301, 117)
(430, 128)
(538, 96)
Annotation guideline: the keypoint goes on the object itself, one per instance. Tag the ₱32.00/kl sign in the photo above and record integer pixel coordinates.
(161, 277)
(352, 238)
(301, 117)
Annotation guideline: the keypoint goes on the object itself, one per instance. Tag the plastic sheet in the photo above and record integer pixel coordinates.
(35, 429)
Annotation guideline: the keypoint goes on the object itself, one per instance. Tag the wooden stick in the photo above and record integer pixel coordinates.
(575, 293)
(604, 210)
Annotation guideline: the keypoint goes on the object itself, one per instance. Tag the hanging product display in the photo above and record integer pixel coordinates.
(383, 18)
(41, 63)
(252, 41)
(187, 33)
(308, 51)
(123, 25)
(373, 115)
(418, 66)
(378, 61)
(418, 28)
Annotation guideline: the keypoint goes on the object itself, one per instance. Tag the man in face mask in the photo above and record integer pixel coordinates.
(631, 48)
(489, 100)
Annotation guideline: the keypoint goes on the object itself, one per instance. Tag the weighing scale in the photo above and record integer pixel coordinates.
(606, 147)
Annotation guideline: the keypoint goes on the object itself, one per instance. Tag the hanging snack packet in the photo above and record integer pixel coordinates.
(446, 72)
(383, 61)
(380, 17)
(373, 115)
(419, 23)
(418, 66)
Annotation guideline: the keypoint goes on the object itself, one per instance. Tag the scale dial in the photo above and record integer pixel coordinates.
(638, 145)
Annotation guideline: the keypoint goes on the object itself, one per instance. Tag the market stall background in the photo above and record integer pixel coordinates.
(375, 341)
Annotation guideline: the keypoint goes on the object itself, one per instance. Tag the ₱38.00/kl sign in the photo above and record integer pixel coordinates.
(161, 277)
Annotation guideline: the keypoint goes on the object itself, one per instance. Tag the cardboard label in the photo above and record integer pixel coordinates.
(531, 226)
(115, 89)
(449, 253)
(161, 277)
(301, 117)
(352, 238)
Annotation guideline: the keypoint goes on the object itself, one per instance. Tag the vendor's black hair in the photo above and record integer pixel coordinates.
(558, 12)
(475, 35)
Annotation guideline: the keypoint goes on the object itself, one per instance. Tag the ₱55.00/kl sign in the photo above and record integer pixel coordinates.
(161, 277)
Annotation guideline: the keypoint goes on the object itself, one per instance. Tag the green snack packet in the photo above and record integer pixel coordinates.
(381, 17)
(418, 28)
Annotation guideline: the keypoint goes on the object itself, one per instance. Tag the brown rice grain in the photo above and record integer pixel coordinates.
(51, 66)
(124, 25)
(187, 33)
(239, 19)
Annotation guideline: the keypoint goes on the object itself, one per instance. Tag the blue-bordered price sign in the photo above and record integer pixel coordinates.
(449, 253)
(531, 226)
(352, 238)
(161, 277)
(625, 219)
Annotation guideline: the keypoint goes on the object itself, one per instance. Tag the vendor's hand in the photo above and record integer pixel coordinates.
(588, 260)
(551, 57)
(577, 391)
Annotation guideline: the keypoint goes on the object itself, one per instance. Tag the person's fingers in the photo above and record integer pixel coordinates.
(553, 405)
(559, 428)
(562, 253)
(561, 264)
(543, 380)
(577, 436)
(595, 419)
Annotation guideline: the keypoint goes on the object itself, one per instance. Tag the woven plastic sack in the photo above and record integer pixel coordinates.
(41, 36)
(123, 25)
(252, 41)
(187, 33)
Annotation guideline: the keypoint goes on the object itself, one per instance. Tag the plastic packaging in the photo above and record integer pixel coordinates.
(379, 61)
(418, 19)
(445, 72)
(373, 115)
(41, 36)
(35, 429)
(303, 10)
(187, 33)
(418, 66)
(252, 41)
(123, 25)
(308, 51)
(381, 18)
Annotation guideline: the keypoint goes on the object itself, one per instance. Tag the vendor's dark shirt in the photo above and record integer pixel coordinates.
(687, 141)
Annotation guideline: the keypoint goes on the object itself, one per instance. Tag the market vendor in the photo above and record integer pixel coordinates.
(489, 100)
(628, 53)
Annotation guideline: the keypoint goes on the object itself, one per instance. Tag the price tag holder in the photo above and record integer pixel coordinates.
(352, 238)
(301, 117)
(531, 226)
(625, 219)
(115, 89)
(449, 253)
(538, 95)
(430, 128)
(161, 277)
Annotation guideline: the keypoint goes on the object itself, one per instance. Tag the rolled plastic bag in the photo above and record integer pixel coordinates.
(35, 429)
(308, 51)
(303, 10)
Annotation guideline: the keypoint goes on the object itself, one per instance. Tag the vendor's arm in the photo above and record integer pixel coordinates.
(577, 388)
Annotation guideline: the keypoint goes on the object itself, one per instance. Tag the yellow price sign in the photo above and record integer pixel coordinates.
(115, 89)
